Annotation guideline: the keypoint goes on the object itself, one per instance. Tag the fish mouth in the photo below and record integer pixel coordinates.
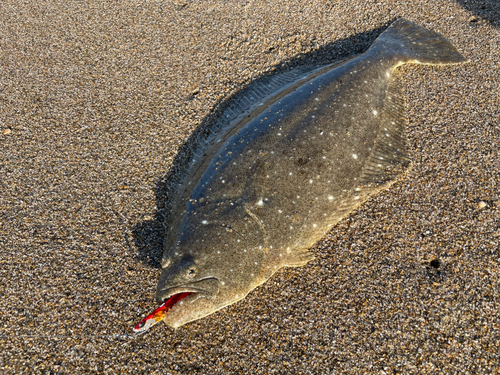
(204, 288)
(170, 297)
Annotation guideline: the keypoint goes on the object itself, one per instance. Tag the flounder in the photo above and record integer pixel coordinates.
(288, 170)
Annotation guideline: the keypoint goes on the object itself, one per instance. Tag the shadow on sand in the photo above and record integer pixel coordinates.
(488, 10)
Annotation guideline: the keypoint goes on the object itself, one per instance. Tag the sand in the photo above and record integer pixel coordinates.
(98, 97)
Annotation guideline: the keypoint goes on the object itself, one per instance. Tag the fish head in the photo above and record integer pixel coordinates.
(218, 263)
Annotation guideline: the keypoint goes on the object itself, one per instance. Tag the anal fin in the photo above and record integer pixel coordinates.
(389, 158)
(299, 259)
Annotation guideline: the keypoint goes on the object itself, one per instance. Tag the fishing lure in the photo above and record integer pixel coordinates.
(157, 315)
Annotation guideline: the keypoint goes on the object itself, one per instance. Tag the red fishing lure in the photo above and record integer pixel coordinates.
(159, 313)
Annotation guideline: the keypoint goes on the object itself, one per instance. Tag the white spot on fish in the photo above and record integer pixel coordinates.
(354, 156)
(375, 113)
(330, 198)
(260, 203)
(204, 222)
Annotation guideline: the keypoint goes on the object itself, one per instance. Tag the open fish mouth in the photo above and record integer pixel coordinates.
(207, 288)
(169, 297)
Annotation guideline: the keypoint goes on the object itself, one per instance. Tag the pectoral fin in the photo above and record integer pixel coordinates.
(253, 196)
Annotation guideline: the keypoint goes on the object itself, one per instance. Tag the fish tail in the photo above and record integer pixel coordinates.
(414, 44)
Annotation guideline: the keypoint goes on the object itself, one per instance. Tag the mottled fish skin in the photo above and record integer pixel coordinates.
(285, 176)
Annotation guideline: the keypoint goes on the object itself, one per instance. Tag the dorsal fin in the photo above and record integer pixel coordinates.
(253, 95)
(260, 89)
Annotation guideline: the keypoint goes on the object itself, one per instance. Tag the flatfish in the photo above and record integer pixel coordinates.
(289, 170)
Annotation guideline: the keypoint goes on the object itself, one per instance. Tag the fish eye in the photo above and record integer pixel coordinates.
(191, 272)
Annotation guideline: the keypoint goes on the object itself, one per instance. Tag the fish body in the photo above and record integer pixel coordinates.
(286, 174)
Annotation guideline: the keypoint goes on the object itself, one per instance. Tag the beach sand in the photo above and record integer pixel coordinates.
(98, 97)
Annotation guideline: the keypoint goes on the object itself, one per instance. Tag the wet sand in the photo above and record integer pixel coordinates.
(97, 99)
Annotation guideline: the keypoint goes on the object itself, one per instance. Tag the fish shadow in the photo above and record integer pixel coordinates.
(488, 10)
(148, 235)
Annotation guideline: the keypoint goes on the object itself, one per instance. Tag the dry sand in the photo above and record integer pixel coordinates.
(97, 97)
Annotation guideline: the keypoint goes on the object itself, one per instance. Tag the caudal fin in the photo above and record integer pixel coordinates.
(415, 44)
